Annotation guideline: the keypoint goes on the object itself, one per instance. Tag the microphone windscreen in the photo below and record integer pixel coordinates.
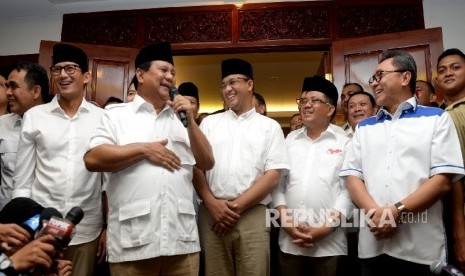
(75, 215)
(19, 210)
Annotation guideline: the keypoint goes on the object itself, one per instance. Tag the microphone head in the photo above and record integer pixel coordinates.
(436, 267)
(47, 214)
(75, 215)
(173, 92)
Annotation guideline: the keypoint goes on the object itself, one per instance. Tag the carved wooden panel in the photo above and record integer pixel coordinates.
(357, 21)
(273, 24)
(262, 26)
(188, 28)
(118, 31)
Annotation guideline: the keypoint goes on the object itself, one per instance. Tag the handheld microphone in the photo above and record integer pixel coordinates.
(22, 211)
(63, 229)
(46, 215)
(182, 115)
(441, 268)
(32, 224)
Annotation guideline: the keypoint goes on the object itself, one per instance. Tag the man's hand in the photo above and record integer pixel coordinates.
(64, 268)
(224, 215)
(13, 237)
(300, 236)
(293, 228)
(158, 154)
(384, 222)
(181, 103)
(36, 253)
(102, 246)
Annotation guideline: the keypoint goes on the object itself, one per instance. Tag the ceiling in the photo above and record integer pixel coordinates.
(278, 76)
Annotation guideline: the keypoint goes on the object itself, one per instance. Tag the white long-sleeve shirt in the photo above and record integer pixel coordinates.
(10, 128)
(50, 167)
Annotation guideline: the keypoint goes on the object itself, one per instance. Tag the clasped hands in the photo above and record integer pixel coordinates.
(225, 215)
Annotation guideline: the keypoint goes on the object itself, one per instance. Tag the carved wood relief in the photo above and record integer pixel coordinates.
(260, 25)
(106, 30)
(309, 23)
(374, 20)
(188, 28)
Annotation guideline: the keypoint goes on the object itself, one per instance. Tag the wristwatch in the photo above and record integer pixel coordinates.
(333, 223)
(6, 266)
(402, 213)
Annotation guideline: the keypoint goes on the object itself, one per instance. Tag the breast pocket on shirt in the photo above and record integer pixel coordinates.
(187, 226)
(330, 164)
(181, 147)
(254, 158)
(8, 151)
(135, 224)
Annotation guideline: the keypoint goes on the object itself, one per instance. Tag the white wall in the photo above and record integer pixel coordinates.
(450, 15)
(23, 35)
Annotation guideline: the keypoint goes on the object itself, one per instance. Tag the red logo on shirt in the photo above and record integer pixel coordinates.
(334, 151)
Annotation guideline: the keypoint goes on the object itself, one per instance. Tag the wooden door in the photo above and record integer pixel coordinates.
(355, 60)
(112, 69)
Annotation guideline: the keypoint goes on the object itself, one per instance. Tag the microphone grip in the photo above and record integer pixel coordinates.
(183, 118)
(182, 115)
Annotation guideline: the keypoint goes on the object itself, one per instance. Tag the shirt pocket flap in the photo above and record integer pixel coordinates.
(186, 207)
(134, 209)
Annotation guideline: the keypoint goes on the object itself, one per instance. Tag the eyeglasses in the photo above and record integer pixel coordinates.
(304, 101)
(232, 82)
(69, 69)
(379, 75)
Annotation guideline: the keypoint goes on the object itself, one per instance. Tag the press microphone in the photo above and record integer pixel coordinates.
(63, 229)
(46, 215)
(24, 212)
(182, 115)
(441, 268)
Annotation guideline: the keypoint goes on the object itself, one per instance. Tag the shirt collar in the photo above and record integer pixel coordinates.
(55, 106)
(455, 104)
(139, 104)
(243, 116)
(410, 103)
(330, 131)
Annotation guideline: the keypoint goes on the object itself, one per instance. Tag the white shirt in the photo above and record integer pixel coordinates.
(349, 132)
(312, 187)
(150, 208)
(394, 155)
(50, 167)
(10, 127)
(244, 148)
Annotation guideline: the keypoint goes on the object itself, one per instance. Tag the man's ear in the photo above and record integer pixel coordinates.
(406, 78)
(87, 77)
(331, 111)
(139, 75)
(36, 92)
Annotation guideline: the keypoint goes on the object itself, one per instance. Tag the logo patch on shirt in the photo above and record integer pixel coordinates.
(334, 151)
